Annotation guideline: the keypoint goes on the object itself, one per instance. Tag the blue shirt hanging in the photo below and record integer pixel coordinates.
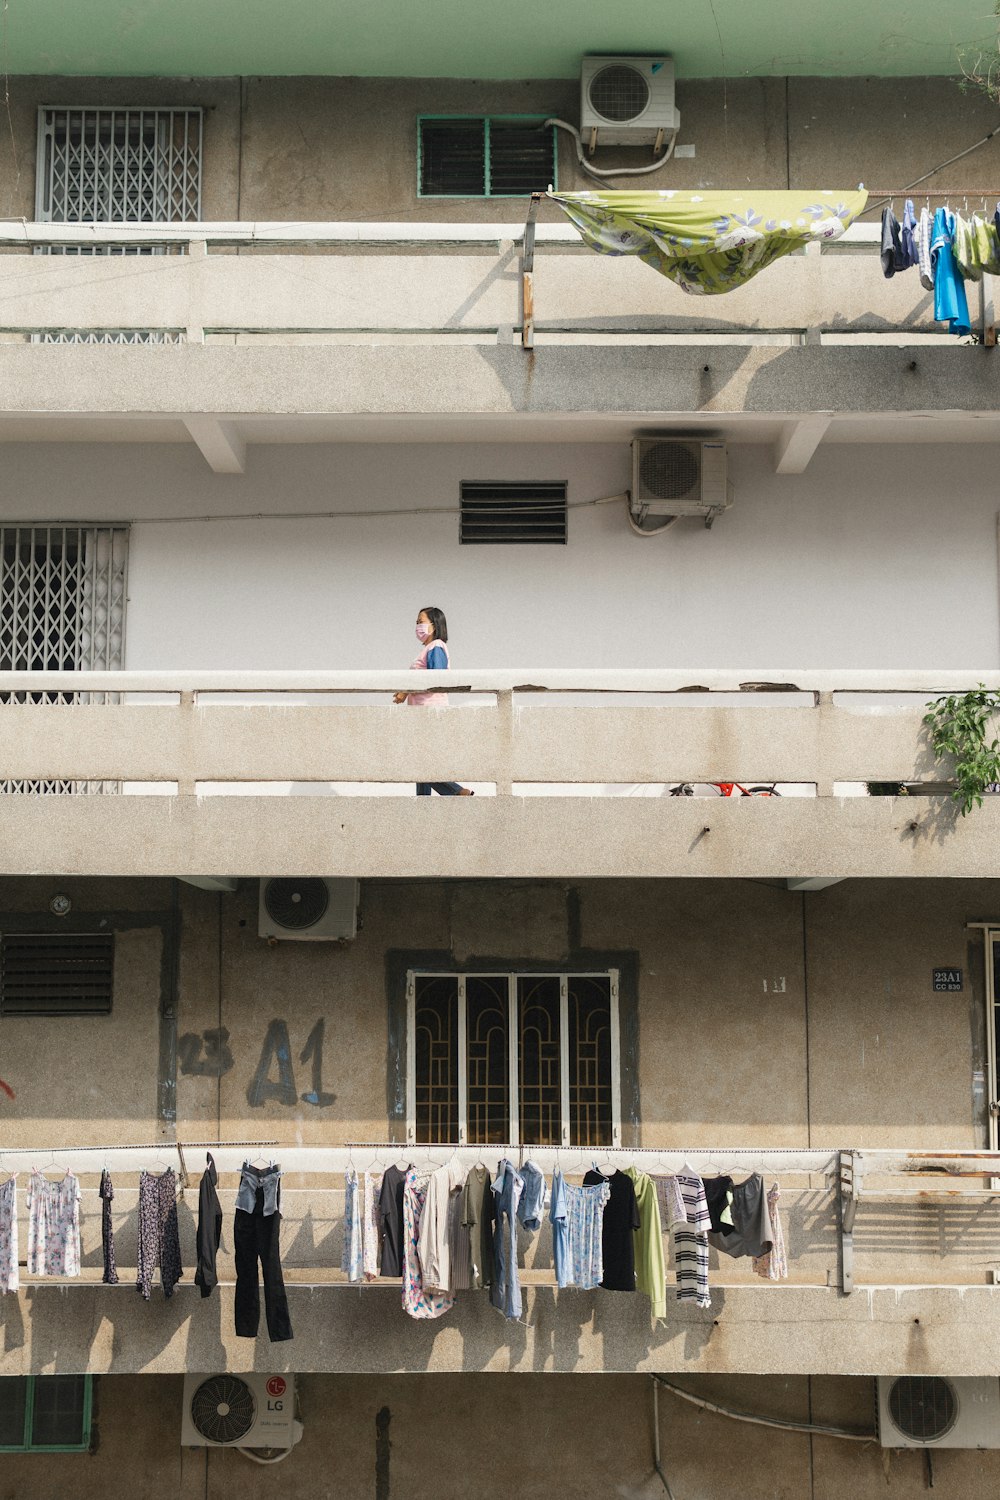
(950, 305)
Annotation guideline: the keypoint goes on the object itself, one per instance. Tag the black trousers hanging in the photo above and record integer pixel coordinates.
(255, 1237)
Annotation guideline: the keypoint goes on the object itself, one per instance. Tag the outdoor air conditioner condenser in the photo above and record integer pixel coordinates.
(679, 477)
(308, 909)
(935, 1411)
(239, 1411)
(627, 101)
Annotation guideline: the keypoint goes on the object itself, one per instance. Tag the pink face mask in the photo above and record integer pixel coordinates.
(424, 632)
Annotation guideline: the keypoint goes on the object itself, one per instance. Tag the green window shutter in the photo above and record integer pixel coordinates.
(452, 158)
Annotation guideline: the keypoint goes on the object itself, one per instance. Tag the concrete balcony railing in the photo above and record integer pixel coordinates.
(411, 282)
(250, 773)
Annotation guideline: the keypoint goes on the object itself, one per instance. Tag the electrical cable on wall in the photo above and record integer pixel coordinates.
(525, 508)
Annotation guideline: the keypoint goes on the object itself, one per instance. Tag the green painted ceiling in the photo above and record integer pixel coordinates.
(473, 39)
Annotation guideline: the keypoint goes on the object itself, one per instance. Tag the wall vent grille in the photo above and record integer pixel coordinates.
(56, 974)
(485, 158)
(513, 513)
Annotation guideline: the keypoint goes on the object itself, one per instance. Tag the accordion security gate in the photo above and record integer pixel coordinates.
(62, 608)
(118, 166)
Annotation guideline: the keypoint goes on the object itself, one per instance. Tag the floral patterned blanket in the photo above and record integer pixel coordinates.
(708, 242)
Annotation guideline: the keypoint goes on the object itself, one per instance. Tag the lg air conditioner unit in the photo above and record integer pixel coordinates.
(674, 476)
(239, 1411)
(627, 101)
(935, 1411)
(308, 909)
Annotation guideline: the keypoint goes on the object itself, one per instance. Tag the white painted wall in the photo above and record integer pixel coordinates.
(877, 556)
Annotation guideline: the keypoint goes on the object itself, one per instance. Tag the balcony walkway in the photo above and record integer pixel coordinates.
(245, 774)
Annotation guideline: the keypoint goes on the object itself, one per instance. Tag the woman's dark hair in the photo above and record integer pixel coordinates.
(438, 621)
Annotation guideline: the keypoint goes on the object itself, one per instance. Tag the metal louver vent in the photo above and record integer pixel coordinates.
(524, 513)
(296, 904)
(223, 1409)
(618, 93)
(477, 158)
(923, 1407)
(56, 974)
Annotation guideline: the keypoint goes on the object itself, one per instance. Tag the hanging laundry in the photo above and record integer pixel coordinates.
(577, 1218)
(505, 1293)
(691, 1243)
(717, 1196)
(371, 1232)
(106, 1192)
(908, 235)
(671, 1201)
(443, 1244)
(478, 1217)
(650, 1273)
(159, 1239)
(712, 241)
(924, 236)
(531, 1204)
(892, 245)
(745, 1228)
(256, 1237)
(390, 1204)
(352, 1253)
(10, 1274)
(950, 305)
(621, 1217)
(773, 1264)
(417, 1302)
(209, 1228)
(976, 247)
(53, 1225)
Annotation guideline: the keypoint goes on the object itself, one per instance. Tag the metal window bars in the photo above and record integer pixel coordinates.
(118, 166)
(62, 608)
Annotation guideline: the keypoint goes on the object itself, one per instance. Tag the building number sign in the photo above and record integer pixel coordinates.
(947, 979)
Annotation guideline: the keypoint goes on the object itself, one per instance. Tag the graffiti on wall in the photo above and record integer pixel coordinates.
(207, 1054)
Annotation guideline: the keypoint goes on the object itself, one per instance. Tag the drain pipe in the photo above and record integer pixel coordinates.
(656, 1439)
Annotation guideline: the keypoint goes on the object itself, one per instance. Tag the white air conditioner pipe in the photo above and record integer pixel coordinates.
(613, 171)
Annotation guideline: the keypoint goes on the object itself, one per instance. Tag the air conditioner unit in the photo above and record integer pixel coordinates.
(308, 909)
(239, 1411)
(674, 476)
(627, 101)
(934, 1411)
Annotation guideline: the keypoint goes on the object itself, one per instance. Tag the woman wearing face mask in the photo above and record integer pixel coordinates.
(432, 633)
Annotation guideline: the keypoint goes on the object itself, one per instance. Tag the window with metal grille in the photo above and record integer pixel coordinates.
(503, 512)
(498, 1058)
(45, 1413)
(56, 974)
(62, 609)
(118, 166)
(484, 158)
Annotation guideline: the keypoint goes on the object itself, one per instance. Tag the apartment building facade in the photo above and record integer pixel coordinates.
(278, 369)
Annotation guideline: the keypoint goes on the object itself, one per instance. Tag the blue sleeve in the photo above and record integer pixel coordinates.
(437, 659)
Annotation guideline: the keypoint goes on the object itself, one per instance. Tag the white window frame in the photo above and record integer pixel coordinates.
(992, 942)
(513, 1071)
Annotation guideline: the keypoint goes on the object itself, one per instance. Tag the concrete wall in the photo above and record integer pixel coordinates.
(449, 1436)
(343, 148)
(819, 554)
